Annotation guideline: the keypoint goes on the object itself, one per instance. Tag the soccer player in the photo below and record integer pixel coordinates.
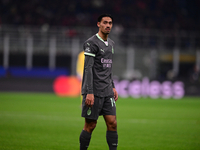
(98, 90)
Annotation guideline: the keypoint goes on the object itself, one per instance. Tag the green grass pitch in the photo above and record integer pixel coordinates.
(40, 121)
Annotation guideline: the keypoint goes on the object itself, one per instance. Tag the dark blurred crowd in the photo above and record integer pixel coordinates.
(150, 14)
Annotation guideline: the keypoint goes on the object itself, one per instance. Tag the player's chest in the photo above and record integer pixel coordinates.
(105, 51)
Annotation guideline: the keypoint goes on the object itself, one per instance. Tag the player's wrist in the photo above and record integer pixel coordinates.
(90, 92)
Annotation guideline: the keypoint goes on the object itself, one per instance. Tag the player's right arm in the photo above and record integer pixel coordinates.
(89, 62)
(89, 100)
(89, 52)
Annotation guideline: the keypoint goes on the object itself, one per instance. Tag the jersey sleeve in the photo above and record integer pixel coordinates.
(89, 62)
(111, 76)
(89, 49)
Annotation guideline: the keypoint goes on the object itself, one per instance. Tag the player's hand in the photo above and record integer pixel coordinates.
(89, 100)
(115, 94)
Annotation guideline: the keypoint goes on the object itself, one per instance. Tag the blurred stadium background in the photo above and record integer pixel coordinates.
(157, 57)
(157, 40)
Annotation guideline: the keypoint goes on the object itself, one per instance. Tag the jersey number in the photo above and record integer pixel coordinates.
(112, 102)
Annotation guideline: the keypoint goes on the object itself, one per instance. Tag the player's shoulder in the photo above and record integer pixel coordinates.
(111, 41)
(91, 40)
(90, 46)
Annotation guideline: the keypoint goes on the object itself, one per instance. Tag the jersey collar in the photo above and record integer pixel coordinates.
(102, 39)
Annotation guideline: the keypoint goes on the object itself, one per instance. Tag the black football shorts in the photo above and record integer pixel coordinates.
(102, 106)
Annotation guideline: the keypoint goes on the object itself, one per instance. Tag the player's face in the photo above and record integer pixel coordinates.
(105, 25)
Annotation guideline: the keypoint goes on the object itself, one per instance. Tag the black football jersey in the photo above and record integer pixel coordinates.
(102, 54)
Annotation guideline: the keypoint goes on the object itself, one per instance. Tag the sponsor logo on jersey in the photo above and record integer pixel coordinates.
(102, 50)
(87, 49)
(107, 63)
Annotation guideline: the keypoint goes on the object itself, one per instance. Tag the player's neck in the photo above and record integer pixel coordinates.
(103, 36)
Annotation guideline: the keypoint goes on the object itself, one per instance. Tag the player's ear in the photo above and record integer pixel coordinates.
(98, 24)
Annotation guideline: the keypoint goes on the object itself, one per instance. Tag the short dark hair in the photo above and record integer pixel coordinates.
(104, 15)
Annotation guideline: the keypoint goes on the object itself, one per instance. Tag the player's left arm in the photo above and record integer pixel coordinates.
(115, 94)
(113, 85)
(114, 90)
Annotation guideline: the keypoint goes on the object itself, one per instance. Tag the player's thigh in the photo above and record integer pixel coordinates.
(109, 106)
